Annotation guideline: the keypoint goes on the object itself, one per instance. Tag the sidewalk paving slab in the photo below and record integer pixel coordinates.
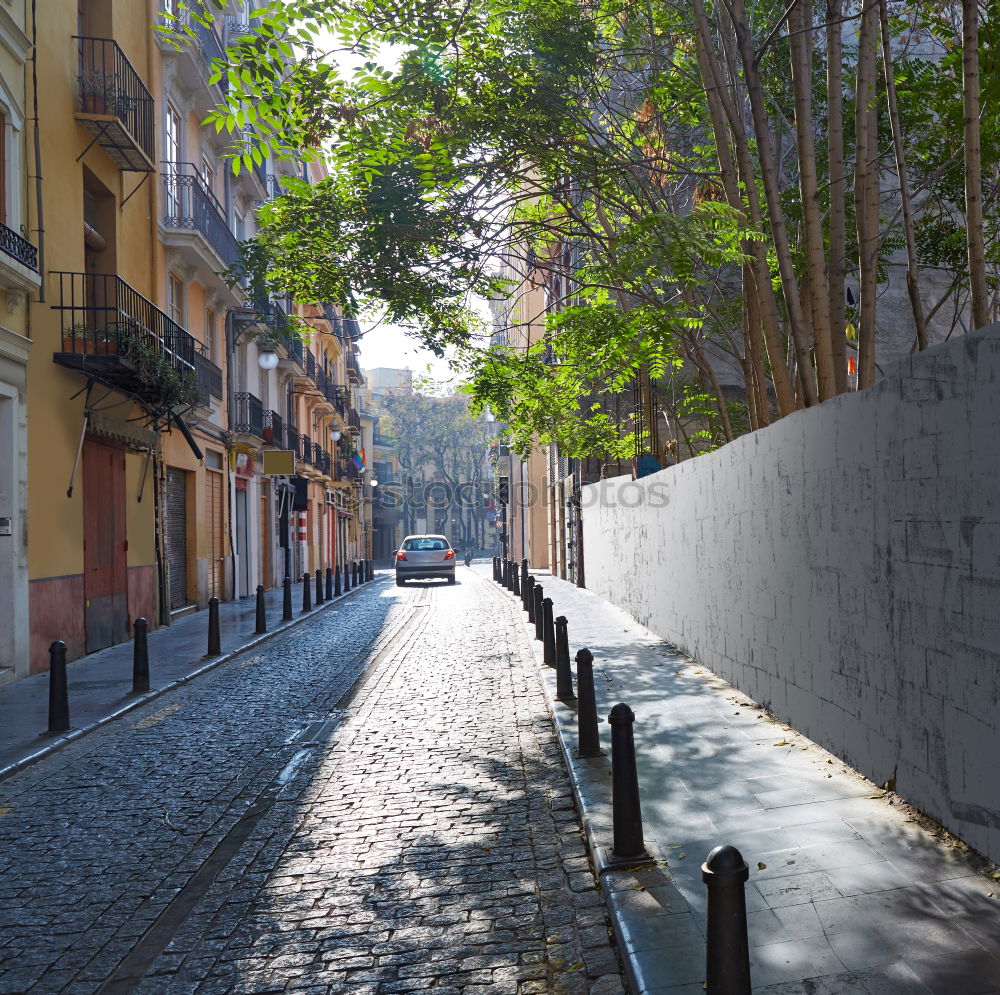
(847, 892)
(100, 684)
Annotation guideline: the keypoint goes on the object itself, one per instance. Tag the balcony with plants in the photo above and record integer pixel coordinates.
(113, 335)
(114, 105)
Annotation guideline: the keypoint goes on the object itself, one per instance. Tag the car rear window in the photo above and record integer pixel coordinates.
(425, 544)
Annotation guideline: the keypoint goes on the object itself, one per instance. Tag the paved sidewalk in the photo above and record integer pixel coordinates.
(100, 684)
(847, 894)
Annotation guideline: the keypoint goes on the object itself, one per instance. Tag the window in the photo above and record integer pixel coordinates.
(172, 145)
(430, 545)
(208, 175)
(175, 299)
(210, 326)
(172, 156)
(239, 223)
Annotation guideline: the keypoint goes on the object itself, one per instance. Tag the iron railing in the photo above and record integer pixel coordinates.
(103, 316)
(209, 376)
(291, 437)
(310, 366)
(18, 248)
(324, 462)
(274, 429)
(353, 369)
(317, 456)
(248, 414)
(304, 451)
(189, 204)
(354, 420)
(108, 84)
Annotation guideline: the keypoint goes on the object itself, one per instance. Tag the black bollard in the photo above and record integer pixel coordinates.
(625, 811)
(140, 657)
(564, 676)
(588, 738)
(347, 578)
(319, 586)
(371, 569)
(261, 611)
(511, 573)
(515, 582)
(548, 634)
(286, 600)
(58, 692)
(336, 580)
(494, 568)
(528, 597)
(727, 949)
(329, 583)
(524, 571)
(354, 573)
(306, 593)
(214, 632)
(538, 594)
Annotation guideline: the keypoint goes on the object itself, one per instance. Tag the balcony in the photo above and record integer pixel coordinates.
(248, 415)
(196, 47)
(353, 369)
(114, 105)
(115, 336)
(274, 429)
(354, 421)
(191, 209)
(18, 264)
(291, 437)
(304, 451)
(209, 377)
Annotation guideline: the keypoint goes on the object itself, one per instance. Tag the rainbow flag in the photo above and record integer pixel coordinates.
(359, 460)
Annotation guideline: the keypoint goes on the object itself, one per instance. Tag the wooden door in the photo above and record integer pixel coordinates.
(105, 570)
(216, 534)
(175, 535)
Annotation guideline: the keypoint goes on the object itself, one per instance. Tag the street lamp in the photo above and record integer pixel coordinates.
(335, 435)
(374, 482)
(267, 359)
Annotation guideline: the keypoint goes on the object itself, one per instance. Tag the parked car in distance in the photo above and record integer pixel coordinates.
(424, 556)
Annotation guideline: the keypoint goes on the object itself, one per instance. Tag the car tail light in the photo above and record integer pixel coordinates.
(401, 555)
(450, 555)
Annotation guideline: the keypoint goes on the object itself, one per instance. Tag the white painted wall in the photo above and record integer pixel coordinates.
(843, 568)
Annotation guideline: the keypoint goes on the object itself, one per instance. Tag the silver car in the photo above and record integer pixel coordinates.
(425, 556)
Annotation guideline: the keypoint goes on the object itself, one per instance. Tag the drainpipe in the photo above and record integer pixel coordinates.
(39, 212)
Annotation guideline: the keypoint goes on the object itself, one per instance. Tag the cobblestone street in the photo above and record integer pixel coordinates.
(372, 803)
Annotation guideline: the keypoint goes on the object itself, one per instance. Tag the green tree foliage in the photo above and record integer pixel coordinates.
(641, 160)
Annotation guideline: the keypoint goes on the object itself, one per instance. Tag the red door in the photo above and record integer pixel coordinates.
(105, 578)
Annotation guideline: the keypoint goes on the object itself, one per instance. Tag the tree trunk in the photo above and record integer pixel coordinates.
(800, 28)
(838, 190)
(973, 164)
(772, 194)
(767, 310)
(866, 189)
(912, 268)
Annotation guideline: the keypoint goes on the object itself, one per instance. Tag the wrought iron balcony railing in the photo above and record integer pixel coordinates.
(18, 248)
(291, 437)
(353, 369)
(325, 463)
(209, 376)
(305, 450)
(114, 105)
(189, 204)
(118, 337)
(310, 366)
(248, 414)
(354, 421)
(274, 429)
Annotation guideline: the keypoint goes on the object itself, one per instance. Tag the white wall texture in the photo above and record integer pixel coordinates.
(842, 567)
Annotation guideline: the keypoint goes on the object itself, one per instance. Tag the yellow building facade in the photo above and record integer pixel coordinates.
(136, 402)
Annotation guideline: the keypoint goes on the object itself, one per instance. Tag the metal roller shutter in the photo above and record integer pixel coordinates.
(175, 534)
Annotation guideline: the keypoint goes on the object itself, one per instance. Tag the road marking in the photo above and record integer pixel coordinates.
(159, 716)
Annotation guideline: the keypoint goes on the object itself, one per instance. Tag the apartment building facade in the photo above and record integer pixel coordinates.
(140, 386)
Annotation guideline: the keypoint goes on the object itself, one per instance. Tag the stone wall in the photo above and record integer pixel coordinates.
(842, 567)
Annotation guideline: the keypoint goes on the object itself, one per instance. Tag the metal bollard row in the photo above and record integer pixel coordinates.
(306, 593)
